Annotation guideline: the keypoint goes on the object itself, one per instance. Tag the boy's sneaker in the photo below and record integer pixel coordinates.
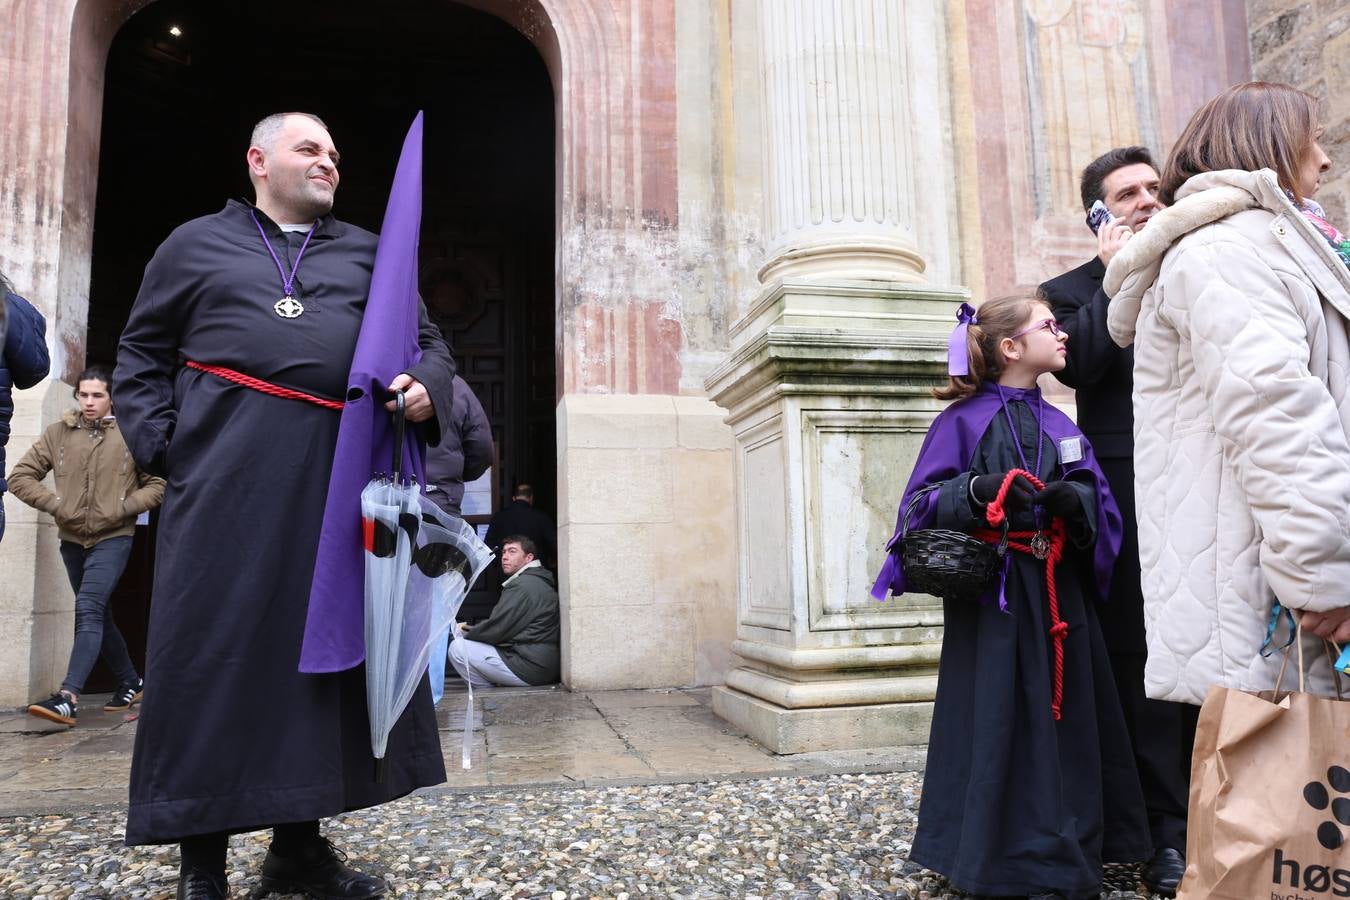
(125, 697)
(58, 708)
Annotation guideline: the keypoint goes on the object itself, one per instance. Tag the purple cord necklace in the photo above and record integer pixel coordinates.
(287, 307)
(1017, 436)
(1039, 544)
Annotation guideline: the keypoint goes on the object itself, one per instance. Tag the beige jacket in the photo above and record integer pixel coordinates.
(1239, 313)
(99, 490)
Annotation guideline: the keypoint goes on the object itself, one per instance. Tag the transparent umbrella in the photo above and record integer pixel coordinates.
(419, 565)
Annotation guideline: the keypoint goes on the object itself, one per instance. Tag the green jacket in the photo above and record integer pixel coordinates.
(524, 627)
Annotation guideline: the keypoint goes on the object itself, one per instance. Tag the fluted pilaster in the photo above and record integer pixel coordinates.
(839, 140)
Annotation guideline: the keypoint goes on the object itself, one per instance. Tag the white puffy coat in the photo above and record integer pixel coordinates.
(1239, 312)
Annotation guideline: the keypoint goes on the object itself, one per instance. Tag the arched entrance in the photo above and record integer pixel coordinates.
(185, 81)
(641, 295)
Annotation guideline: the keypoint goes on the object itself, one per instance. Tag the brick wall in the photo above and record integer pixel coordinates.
(1307, 44)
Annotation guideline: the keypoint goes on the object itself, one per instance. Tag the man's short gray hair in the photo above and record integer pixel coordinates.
(266, 131)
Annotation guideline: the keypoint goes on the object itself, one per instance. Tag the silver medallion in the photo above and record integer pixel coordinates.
(289, 308)
(1040, 545)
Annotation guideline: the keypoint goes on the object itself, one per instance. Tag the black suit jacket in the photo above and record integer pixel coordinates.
(1101, 372)
(1103, 376)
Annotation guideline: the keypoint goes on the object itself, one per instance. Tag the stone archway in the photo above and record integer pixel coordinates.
(620, 341)
(58, 179)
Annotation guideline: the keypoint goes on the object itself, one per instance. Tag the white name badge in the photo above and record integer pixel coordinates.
(1070, 450)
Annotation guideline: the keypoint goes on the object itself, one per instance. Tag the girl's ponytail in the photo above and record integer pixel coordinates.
(961, 386)
(972, 351)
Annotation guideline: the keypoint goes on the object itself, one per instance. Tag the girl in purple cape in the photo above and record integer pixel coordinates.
(1030, 784)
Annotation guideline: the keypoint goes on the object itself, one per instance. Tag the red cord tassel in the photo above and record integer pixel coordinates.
(996, 514)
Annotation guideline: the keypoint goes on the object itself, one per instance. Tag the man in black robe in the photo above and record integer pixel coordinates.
(232, 737)
(1161, 733)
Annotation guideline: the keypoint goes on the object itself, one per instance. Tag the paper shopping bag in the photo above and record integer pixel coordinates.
(1269, 813)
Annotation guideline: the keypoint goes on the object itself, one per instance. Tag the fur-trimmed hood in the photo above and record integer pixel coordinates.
(75, 419)
(1203, 200)
(1239, 312)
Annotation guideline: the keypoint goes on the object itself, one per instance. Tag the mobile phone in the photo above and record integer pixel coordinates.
(1098, 216)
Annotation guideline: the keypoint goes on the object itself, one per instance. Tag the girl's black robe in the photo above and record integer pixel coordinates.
(231, 737)
(1014, 802)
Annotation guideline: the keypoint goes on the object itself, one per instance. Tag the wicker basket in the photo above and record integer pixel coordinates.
(948, 564)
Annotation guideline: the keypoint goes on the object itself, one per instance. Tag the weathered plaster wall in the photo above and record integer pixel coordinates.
(641, 300)
(1041, 87)
(1307, 44)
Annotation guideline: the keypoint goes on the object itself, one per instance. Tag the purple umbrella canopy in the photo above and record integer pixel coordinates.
(387, 345)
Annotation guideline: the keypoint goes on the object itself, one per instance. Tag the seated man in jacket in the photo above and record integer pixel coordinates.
(518, 644)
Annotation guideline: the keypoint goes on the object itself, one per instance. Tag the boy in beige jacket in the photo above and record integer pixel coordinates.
(99, 493)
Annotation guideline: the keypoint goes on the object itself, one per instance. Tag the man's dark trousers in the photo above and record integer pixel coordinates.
(1162, 733)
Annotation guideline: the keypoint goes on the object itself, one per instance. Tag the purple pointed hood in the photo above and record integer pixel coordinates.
(387, 345)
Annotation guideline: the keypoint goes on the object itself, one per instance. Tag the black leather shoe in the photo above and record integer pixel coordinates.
(1162, 873)
(199, 884)
(320, 872)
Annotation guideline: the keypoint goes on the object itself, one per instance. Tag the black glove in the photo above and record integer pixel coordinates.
(1059, 499)
(984, 488)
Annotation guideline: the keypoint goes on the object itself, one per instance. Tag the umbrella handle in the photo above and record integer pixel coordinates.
(400, 419)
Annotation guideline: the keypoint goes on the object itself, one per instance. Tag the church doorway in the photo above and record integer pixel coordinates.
(185, 82)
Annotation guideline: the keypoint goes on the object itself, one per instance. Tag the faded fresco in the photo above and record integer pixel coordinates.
(1090, 86)
(1052, 84)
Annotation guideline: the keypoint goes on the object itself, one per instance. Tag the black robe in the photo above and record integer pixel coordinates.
(231, 736)
(1015, 803)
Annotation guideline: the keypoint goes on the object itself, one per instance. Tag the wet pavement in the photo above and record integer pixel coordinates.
(521, 736)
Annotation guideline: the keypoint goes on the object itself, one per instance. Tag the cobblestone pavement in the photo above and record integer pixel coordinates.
(612, 794)
(830, 836)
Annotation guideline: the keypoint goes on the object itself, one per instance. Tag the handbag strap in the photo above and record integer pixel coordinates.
(1295, 639)
(1302, 667)
(1333, 650)
(1329, 648)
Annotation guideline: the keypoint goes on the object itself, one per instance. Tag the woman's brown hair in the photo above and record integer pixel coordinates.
(995, 320)
(1257, 125)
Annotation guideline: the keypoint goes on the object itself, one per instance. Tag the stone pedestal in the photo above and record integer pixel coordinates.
(827, 388)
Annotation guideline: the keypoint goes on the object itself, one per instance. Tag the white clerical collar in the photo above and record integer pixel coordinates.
(534, 563)
(304, 227)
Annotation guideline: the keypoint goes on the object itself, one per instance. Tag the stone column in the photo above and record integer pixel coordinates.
(846, 156)
(827, 382)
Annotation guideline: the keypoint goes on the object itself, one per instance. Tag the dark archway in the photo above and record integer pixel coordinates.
(177, 112)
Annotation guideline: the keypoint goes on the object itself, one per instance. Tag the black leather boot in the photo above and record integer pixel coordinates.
(1163, 871)
(319, 871)
(196, 883)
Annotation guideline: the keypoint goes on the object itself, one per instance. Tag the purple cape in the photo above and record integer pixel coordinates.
(387, 345)
(949, 451)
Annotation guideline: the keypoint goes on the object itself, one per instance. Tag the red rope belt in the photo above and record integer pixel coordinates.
(265, 387)
(1047, 545)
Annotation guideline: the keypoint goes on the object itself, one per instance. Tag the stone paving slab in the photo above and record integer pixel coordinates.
(520, 737)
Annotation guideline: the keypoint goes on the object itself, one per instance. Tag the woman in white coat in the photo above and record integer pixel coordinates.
(1237, 301)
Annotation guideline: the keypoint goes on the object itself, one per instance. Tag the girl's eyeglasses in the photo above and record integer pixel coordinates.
(1049, 325)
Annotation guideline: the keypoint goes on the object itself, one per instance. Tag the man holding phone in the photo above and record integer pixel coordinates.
(1120, 194)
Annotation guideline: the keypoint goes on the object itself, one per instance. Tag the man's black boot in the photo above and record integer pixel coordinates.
(319, 871)
(195, 883)
(1162, 873)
